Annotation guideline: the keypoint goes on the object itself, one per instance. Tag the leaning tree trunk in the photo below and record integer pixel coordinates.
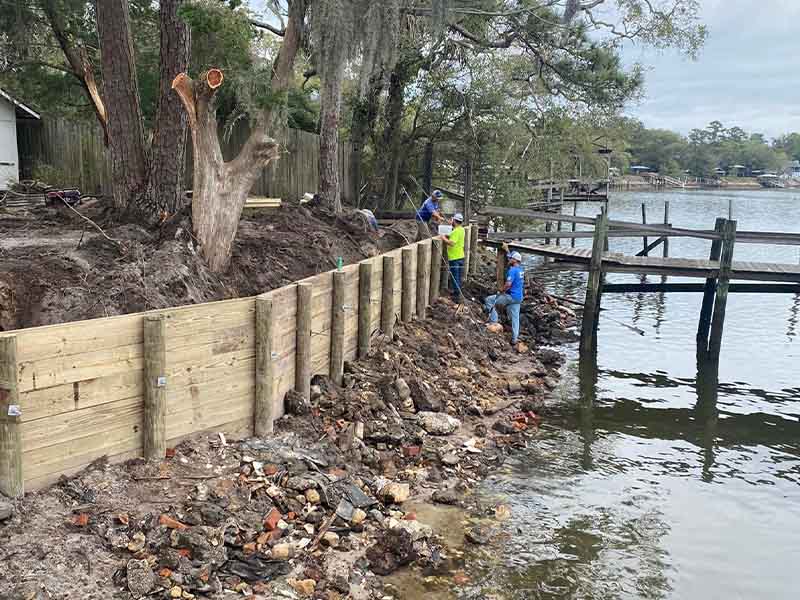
(220, 189)
(121, 92)
(331, 109)
(165, 182)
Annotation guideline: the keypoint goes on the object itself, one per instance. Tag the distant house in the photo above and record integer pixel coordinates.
(11, 111)
(737, 170)
(794, 168)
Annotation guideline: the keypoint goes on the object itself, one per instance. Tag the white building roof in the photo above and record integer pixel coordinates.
(26, 109)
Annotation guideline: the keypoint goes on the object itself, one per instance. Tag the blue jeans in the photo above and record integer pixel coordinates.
(512, 310)
(456, 272)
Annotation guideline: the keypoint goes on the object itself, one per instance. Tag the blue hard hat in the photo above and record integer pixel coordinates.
(437, 194)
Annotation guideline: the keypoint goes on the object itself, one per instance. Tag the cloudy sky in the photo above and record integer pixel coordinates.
(748, 73)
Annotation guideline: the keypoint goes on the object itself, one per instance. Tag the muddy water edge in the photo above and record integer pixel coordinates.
(647, 480)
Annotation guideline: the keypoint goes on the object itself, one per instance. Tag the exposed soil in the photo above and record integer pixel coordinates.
(328, 505)
(56, 268)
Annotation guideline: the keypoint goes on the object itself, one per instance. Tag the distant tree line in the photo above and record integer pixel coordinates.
(705, 151)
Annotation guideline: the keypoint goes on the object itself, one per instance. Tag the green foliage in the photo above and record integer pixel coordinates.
(705, 150)
(221, 36)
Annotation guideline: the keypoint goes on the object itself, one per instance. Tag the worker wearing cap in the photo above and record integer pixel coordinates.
(429, 211)
(511, 295)
(455, 254)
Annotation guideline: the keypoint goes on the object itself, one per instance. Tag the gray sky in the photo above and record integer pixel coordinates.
(748, 73)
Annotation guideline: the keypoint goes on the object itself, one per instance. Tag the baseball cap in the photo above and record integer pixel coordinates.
(437, 194)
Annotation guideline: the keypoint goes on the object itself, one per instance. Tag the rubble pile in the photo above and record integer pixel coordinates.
(322, 508)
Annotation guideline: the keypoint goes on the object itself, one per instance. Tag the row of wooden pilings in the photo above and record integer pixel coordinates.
(715, 293)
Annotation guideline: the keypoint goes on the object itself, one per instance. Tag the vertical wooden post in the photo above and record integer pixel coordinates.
(708, 293)
(423, 278)
(473, 248)
(155, 387)
(444, 276)
(500, 268)
(407, 301)
(666, 224)
(436, 270)
(302, 355)
(264, 413)
(558, 229)
(12, 482)
(548, 227)
(574, 213)
(721, 300)
(591, 307)
(467, 254)
(337, 326)
(388, 315)
(364, 308)
(645, 242)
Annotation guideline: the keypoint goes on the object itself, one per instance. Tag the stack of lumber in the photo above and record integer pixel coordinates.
(262, 202)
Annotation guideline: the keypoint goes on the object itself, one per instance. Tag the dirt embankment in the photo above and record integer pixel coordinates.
(325, 507)
(55, 267)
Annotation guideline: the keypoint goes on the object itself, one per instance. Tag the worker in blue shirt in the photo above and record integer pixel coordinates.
(429, 211)
(511, 295)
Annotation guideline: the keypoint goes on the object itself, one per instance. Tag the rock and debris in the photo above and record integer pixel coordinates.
(320, 510)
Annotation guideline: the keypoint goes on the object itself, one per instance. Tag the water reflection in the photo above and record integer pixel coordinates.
(659, 473)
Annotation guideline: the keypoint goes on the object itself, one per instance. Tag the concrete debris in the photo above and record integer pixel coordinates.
(324, 505)
(438, 423)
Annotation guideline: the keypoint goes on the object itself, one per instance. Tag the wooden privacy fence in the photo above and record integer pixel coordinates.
(130, 385)
(75, 150)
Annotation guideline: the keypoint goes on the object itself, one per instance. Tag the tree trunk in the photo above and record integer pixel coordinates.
(165, 185)
(78, 60)
(220, 188)
(121, 92)
(392, 134)
(331, 108)
(365, 112)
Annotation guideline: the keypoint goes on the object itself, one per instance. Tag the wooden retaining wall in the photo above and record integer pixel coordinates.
(75, 150)
(72, 393)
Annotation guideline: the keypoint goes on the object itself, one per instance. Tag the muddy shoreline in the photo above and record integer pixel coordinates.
(328, 507)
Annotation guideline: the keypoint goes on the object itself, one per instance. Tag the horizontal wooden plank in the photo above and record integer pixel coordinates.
(69, 339)
(91, 364)
(83, 423)
(211, 415)
(204, 357)
(59, 399)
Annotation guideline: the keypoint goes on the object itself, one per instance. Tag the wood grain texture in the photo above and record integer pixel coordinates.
(364, 308)
(388, 315)
(155, 387)
(265, 385)
(408, 291)
(338, 315)
(12, 482)
(303, 345)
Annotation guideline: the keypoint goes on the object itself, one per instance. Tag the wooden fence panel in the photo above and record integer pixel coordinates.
(77, 151)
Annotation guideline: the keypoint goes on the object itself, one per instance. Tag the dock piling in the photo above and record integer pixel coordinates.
(666, 224)
(645, 244)
(594, 286)
(721, 300)
(708, 295)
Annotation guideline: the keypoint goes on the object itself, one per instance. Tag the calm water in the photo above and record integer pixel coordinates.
(648, 483)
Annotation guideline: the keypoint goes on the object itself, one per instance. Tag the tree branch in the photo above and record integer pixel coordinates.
(268, 27)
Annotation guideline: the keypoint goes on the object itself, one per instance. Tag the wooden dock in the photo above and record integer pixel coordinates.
(614, 262)
(717, 271)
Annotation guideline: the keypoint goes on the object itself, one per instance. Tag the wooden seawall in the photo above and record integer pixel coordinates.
(126, 385)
